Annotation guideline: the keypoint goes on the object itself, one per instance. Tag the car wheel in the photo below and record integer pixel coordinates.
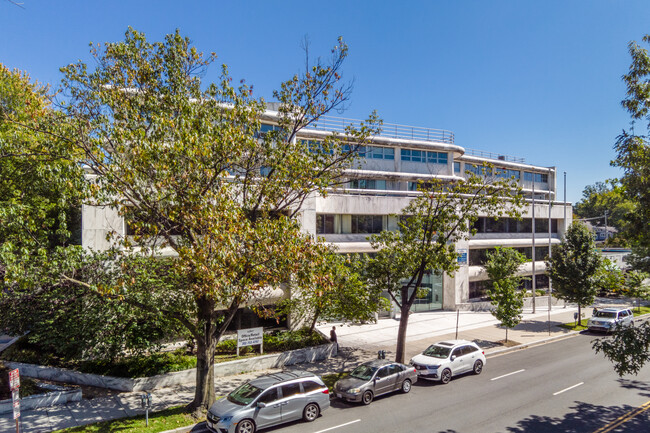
(406, 386)
(310, 412)
(366, 398)
(478, 367)
(245, 426)
(445, 377)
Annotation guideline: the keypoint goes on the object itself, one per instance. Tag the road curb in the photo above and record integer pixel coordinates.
(196, 428)
(531, 344)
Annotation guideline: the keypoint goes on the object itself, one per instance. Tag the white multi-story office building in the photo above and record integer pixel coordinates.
(386, 180)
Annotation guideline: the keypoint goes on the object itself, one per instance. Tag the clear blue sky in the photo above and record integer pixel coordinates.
(539, 80)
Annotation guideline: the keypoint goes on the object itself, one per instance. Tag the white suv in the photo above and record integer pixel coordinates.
(607, 319)
(442, 361)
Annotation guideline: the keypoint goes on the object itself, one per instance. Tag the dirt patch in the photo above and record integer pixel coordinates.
(509, 343)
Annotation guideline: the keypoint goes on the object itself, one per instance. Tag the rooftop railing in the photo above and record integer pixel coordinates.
(390, 130)
(496, 156)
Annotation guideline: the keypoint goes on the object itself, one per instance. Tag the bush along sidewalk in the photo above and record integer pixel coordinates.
(160, 362)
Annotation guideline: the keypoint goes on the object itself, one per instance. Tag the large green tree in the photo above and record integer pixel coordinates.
(429, 228)
(574, 267)
(633, 151)
(606, 201)
(184, 162)
(502, 267)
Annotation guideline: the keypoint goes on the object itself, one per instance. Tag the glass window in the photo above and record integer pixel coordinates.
(395, 368)
(528, 176)
(310, 386)
(367, 223)
(416, 156)
(456, 167)
(406, 154)
(244, 394)
(541, 177)
(383, 372)
(495, 226)
(324, 224)
(269, 396)
(290, 390)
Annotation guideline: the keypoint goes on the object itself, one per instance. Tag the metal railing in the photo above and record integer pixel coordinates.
(390, 130)
(496, 156)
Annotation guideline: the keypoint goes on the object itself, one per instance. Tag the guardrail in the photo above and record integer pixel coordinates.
(390, 130)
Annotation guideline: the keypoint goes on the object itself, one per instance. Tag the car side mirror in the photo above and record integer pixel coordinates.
(261, 405)
(452, 357)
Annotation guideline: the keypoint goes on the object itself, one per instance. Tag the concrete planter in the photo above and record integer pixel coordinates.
(264, 362)
(42, 400)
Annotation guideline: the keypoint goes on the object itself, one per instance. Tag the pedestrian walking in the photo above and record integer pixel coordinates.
(333, 338)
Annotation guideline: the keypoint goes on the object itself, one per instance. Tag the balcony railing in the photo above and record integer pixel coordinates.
(390, 130)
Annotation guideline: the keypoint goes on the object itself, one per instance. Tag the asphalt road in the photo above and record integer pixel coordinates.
(557, 387)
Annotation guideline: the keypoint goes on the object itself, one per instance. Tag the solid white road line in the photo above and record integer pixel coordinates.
(509, 374)
(566, 389)
(337, 426)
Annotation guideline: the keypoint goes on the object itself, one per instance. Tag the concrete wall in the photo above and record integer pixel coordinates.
(42, 400)
(277, 360)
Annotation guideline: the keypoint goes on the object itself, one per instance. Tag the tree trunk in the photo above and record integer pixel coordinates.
(403, 323)
(313, 322)
(204, 394)
(206, 343)
(506, 335)
(579, 315)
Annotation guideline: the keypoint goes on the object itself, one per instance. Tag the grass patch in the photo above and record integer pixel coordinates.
(167, 419)
(643, 310)
(330, 379)
(573, 327)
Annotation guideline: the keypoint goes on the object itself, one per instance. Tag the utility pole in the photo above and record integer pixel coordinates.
(533, 252)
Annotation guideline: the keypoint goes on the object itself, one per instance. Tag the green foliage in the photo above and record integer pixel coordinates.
(574, 267)
(502, 266)
(429, 228)
(635, 286)
(632, 149)
(628, 349)
(337, 289)
(609, 278)
(607, 197)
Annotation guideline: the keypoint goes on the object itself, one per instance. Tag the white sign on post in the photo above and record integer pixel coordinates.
(15, 397)
(14, 379)
(250, 337)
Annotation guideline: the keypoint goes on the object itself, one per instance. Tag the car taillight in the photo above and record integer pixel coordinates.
(326, 391)
(415, 370)
(483, 352)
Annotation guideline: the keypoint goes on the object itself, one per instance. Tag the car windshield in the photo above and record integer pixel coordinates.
(244, 394)
(606, 314)
(437, 351)
(364, 372)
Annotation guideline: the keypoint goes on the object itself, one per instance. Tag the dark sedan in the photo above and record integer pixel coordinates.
(374, 378)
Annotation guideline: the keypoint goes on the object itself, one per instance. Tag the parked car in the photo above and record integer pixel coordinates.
(374, 378)
(446, 359)
(268, 401)
(607, 319)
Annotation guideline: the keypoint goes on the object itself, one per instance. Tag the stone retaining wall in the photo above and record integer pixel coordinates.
(264, 362)
(42, 400)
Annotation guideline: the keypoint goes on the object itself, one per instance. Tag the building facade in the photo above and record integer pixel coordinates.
(382, 185)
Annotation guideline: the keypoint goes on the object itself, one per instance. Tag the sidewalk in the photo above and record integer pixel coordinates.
(359, 343)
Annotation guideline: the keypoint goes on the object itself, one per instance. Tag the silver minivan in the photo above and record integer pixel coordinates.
(268, 401)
